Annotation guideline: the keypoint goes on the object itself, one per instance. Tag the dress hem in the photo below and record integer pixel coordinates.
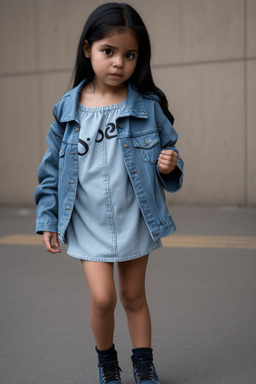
(117, 259)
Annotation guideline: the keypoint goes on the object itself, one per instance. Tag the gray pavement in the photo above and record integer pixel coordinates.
(202, 303)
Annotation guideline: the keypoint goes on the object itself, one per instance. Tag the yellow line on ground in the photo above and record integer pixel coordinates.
(179, 241)
(236, 242)
(22, 240)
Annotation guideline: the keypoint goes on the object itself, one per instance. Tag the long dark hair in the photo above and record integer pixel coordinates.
(111, 16)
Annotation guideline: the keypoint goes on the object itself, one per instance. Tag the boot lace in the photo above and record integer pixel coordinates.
(143, 371)
(110, 371)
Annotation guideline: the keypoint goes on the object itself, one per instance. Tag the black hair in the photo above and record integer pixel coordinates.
(105, 18)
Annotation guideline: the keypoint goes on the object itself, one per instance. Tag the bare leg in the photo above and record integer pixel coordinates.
(100, 279)
(133, 298)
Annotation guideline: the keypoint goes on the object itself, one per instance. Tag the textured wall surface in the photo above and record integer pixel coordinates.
(204, 59)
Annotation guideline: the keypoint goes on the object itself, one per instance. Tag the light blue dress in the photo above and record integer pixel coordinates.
(106, 223)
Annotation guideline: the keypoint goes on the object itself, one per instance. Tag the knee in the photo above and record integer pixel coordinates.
(132, 301)
(104, 302)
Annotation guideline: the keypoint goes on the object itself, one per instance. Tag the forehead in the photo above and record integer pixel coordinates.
(120, 38)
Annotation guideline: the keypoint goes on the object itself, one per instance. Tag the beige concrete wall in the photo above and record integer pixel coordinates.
(204, 59)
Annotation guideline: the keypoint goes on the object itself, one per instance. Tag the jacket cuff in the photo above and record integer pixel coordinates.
(46, 225)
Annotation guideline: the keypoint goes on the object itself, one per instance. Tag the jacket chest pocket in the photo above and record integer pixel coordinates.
(62, 156)
(149, 147)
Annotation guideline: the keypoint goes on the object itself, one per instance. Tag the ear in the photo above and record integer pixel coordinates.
(87, 49)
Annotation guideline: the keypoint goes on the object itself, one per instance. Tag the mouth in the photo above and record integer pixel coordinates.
(117, 75)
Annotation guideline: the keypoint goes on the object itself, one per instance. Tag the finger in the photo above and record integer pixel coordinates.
(55, 240)
(168, 152)
(164, 163)
(166, 167)
(48, 245)
(169, 155)
(51, 248)
(165, 170)
(168, 162)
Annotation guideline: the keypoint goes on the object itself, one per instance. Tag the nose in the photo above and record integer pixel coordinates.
(118, 61)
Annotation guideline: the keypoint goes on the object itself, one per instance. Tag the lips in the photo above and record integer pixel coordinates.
(116, 74)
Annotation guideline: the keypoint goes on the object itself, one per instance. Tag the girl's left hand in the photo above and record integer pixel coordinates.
(167, 161)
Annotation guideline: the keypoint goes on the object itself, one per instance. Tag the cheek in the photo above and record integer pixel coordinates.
(132, 67)
(98, 64)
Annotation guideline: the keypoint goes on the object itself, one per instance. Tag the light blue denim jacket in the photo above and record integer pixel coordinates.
(143, 131)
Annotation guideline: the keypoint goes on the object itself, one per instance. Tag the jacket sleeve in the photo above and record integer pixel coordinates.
(171, 182)
(46, 194)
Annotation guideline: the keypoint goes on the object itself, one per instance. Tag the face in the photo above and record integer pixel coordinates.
(113, 58)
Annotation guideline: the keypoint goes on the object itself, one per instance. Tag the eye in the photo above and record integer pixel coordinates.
(107, 51)
(130, 55)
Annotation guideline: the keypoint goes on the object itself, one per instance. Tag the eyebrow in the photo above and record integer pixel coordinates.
(112, 47)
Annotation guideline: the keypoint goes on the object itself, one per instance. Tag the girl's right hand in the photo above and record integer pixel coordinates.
(51, 242)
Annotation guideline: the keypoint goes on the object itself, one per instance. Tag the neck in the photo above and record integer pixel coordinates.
(94, 95)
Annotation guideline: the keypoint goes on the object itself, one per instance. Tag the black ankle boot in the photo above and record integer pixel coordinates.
(143, 366)
(109, 371)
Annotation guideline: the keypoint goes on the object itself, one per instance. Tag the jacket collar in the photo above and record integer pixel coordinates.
(66, 109)
(134, 104)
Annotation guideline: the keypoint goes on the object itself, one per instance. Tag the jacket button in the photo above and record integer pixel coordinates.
(126, 145)
(143, 200)
(67, 208)
(71, 182)
(77, 129)
(120, 126)
(134, 171)
(156, 234)
(72, 152)
(146, 142)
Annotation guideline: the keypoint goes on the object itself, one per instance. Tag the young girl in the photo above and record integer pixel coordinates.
(111, 153)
